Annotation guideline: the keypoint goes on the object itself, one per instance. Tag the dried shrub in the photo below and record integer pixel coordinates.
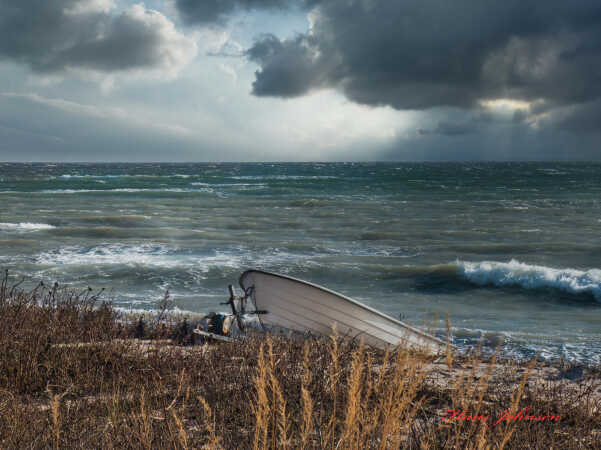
(72, 375)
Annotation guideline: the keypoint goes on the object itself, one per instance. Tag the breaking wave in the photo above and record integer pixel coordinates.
(168, 260)
(149, 254)
(25, 226)
(515, 273)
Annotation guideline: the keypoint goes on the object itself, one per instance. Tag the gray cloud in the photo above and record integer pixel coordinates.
(36, 128)
(53, 35)
(210, 11)
(431, 53)
(585, 118)
(216, 11)
(450, 129)
(292, 68)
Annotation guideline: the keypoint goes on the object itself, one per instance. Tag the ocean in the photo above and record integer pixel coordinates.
(511, 251)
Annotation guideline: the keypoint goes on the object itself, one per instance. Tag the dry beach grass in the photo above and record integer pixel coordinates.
(73, 374)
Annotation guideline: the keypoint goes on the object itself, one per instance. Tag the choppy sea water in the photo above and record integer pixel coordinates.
(512, 251)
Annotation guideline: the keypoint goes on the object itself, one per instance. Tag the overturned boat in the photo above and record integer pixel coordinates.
(281, 302)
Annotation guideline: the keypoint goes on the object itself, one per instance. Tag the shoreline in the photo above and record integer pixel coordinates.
(486, 351)
(75, 374)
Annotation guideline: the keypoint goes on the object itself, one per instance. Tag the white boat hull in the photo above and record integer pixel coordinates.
(298, 305)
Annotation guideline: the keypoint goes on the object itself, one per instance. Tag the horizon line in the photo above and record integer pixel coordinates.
(319, 162)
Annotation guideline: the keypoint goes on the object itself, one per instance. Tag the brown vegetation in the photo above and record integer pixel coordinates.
(74, 375)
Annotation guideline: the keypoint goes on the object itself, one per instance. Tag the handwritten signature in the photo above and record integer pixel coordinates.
(455, 415)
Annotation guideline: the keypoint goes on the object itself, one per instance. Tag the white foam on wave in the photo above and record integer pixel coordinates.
(66, 191)
(174, 312)
(79, 191)
(523, 346)
(76, 176)
(284, 177)
(164, 256)
(515, 273)
(128, 254)
(227, 184)
(25, 226)
(145, 254)
(125, 175)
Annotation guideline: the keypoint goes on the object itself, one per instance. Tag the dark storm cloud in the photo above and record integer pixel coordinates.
(216, 11)
(581, 118)
(52, 35)
(293, 72)
(429, 53)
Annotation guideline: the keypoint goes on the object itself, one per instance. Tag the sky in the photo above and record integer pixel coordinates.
(300, 80)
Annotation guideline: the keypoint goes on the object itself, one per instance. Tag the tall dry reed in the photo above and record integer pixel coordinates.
(72, 376)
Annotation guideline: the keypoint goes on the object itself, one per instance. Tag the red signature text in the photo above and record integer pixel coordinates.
(507, 416)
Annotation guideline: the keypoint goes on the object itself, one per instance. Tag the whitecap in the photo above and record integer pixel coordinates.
(25, 226)
(127, 254)
(515, 273)
(127, 190)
